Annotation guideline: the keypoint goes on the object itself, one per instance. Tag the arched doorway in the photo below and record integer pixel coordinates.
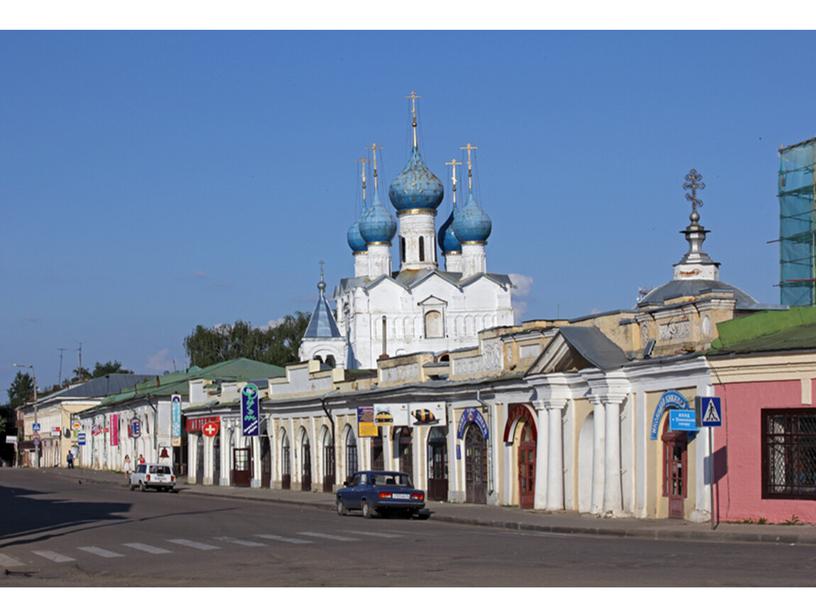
(351, 453)
(675, 470)
(377, 458)
(438, 463)
(305, 463)
(475, 466)
(286, 462)
(586, 456)
(266, 462)
(404, 450)
(328, 461)
(526, 465)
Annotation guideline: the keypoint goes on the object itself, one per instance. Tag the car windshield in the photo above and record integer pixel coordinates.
(400, 479)
(160, 470)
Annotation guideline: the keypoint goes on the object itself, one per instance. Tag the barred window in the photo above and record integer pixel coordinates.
(789, 454)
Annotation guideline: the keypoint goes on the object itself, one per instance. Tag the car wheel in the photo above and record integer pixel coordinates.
(368, 512)
(341, 508)
(142, 487)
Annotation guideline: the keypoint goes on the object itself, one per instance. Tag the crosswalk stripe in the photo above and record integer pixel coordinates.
(9, 561)
(102, 553)
(384, 535)
(282, 539)
(193, 544)
(235, 541)
(146, 548)
(331, 537)
(53, 556)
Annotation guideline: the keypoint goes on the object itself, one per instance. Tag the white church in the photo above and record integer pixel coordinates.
(420, 306)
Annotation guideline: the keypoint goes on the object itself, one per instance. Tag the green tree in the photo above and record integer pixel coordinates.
(81, 374)
(108, 368)
(21, 389)
(277, 344)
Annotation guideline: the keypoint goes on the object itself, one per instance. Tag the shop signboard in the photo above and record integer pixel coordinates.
(428, 414)
(472, 416)
(683, 420)
(250, 409)
(391, 415)
(175, 420)
(194, 425)
(76, 426)
(366, 428)
(669, 400)
(135, 427)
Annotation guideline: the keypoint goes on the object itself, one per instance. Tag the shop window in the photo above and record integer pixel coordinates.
(789, 454)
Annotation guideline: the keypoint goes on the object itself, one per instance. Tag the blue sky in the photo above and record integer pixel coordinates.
(151, 181)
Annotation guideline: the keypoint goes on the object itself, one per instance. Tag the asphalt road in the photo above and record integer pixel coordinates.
(55, 531)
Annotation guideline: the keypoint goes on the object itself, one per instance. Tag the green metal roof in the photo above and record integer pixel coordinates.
(767, 331)
(239, 369)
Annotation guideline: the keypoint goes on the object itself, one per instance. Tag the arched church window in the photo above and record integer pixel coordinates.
(421, 249)
(433, 324)
(402, 249)
(330, 361)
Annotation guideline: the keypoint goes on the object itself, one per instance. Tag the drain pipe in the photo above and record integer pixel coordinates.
(334, 439)
(490, 484)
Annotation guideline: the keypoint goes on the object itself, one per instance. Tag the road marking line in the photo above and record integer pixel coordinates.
(146, 548)
(9, 561)
(102, 553)
(193, 544)
(331, 537)
(282, 539)
(235, 541)
(53, 556)
(384, 535)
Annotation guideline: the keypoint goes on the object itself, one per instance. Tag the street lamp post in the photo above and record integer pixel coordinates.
(34, 380)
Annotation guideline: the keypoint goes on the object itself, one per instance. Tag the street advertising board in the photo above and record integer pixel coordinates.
(428, 414)
(391, 415)
(683, 420)
(11, 439)
(472, 416)
(366, 428)
(135, 427)
(710, 408)
(175, 420)
(250, 409)
(211, 428)
(81, 438)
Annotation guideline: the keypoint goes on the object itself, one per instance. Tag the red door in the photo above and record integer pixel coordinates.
(526, 473)
(675, 472)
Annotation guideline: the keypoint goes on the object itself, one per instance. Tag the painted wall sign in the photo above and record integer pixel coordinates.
(710, 411)
(669, 400)
(366, 428)
(683, 420)
(472, 416)
(250, 410)
(175, 420)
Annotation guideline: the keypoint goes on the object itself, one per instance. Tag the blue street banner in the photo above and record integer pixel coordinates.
(472, 416)
(683, 420)
(710, 411)
(250, 409)
(175, 420)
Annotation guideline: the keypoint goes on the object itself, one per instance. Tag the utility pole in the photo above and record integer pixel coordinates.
(79, 350)
(61, 351)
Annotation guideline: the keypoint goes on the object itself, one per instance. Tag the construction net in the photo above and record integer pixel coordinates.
(797, 224)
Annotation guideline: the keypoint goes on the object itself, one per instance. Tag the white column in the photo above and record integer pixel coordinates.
(495, 447)
(612, 500)
(389, 462)
(224, 477)
(207, 479)
(256, 461)
(453, 462)
(598, 452)
(555, 473)
(192, 457)
(542, 465)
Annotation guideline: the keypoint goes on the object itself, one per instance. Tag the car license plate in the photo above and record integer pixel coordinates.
(402, 496)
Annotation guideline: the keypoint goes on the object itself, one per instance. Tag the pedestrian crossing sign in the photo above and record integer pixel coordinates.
(710, 411)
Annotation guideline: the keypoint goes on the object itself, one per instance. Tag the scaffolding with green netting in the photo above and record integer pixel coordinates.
(797, 224)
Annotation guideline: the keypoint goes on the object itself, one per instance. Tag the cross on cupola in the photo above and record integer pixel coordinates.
(692, 184)
(696, 263)
(453, 163)
(363, 162)
(374, 148)
(469, 148)
(413, 98)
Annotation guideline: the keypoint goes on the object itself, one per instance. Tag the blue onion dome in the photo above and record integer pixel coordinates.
(446, 237)
(377, 225)
(471, 223)
(416, 187)
(355, 239)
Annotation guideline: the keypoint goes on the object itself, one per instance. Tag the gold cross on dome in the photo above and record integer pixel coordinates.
(363, 162)
(374, 148)
(453, 163)
(469, 147)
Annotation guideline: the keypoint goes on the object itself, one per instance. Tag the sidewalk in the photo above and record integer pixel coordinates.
(507, 517)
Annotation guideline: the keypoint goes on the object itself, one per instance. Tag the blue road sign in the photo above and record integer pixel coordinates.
(35, 427)
(710, 411)
(683, 419)
(80, 438)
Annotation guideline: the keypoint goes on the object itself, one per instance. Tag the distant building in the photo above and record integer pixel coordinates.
(797, 224)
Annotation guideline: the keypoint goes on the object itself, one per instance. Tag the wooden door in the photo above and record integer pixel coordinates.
(438, 464)
(377, 459)
(241, 466)
(286, 464)
(306, 467)
(526, 473)
(328, 468)
(675, 472)
(475, 466)
(405, 451)
(266, 462)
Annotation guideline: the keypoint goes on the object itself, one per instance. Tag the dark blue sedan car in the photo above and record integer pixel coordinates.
(381, 492)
